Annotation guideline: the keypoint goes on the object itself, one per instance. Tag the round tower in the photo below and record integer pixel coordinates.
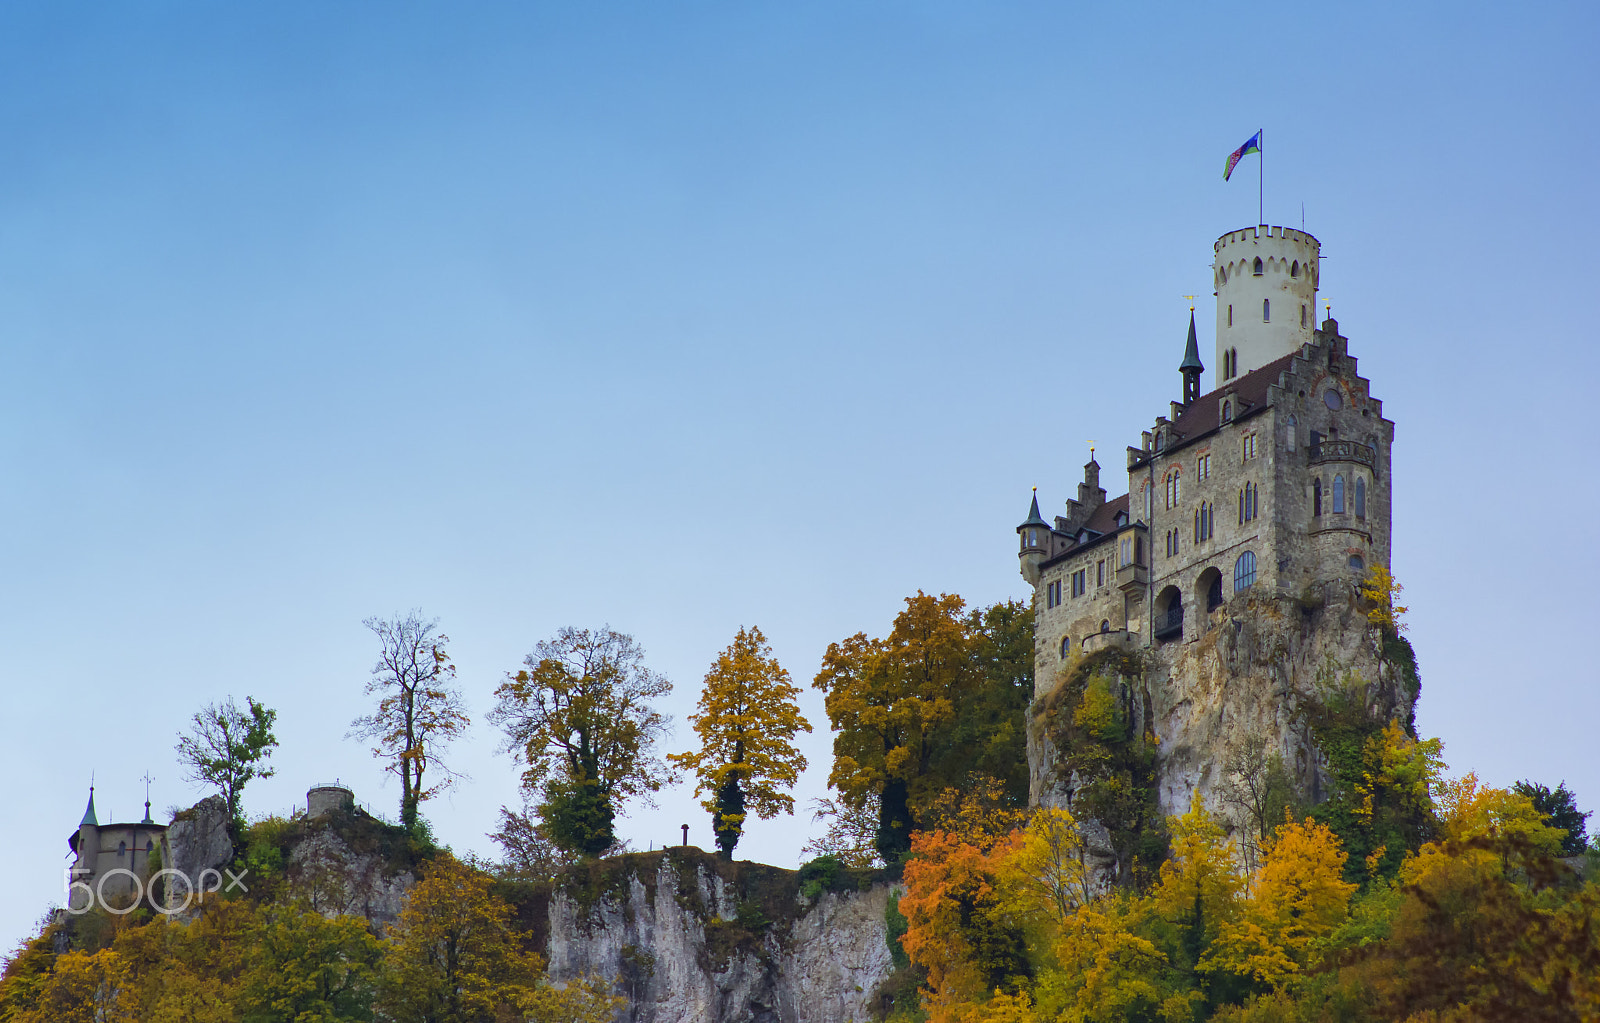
(327, 798)
(1266, 280)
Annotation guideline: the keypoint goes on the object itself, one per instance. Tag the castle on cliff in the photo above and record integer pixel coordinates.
(1275, 479)
(1229, 570)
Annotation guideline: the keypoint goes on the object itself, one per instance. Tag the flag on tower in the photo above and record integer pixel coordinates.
(1253, 146)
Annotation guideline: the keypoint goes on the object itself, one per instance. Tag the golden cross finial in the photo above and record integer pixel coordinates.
(1191, 299)
(1091, 450)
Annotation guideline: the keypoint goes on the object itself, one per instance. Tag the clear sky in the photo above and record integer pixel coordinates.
(681, 317)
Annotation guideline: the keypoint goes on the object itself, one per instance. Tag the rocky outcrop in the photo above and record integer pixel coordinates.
(692, 940)
(1254, 667)
(336, 880)
(197, 841)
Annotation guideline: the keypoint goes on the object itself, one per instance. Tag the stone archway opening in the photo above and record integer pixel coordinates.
(1168, 618)
(1208, 590)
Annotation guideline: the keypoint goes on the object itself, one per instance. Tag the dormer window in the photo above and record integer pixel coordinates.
(1255, 268)
(1122, 519)
(1227, 411)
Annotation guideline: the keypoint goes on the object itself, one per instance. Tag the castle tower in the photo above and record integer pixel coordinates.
(1266, 280)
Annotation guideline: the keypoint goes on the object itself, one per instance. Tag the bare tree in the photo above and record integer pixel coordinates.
(1258, 790)
(420, 710)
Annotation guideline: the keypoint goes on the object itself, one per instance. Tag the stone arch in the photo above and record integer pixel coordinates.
(1208, 589)
(1169, 614)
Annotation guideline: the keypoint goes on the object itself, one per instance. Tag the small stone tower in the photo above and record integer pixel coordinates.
(1266, 279)
(328, 797)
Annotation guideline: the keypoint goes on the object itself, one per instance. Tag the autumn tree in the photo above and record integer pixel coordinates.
(420, 710)
(849, 833)
(454, 957)
(227, 747)
(747, 722)
(890, 702)
(579, 717)
(305, 966)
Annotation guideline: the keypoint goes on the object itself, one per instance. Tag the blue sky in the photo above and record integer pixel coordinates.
(681, 317)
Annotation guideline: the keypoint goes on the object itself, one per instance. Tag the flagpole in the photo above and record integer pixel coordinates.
(1261, 175)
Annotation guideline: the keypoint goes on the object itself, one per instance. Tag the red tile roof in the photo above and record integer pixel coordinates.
(1204, 414)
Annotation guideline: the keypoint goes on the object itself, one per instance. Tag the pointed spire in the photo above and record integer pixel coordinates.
(1191, 353)
(88, 813)
(1191, 367)
(1034, 518)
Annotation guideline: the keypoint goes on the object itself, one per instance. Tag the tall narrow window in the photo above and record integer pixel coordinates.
(1149, 500)
(1266, 310)
(1361, 498)
(1316, 497)
(1100, 572)
(1294, 271)
(1338, 495)
(1289, 434)
(1230, 314)
(1227, 411)
(1255, 268)
(1302, 314)
(1244, 571)
(1066, 646)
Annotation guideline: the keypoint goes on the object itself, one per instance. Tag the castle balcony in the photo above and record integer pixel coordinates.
(1133, 578)
(1170, 624)
(1095, 641)
(1342, 451)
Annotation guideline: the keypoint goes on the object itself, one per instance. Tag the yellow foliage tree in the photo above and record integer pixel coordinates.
(1381, 589)
(747, 722)
(1043, 871)
(1468, 810)
(887, 699)
(453, 955)
(1297, 897)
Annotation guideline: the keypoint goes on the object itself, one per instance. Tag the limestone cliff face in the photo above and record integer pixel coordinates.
(689, 943)
(1252, 667)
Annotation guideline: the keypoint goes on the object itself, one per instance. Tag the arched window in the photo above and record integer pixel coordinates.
(1266, 310)
(1149, 500)
(1361, 498)
(122, 849)
(1356, 564)
(1289, 434)
(1105, 625)
(1338, 495)
(1227, 411)
(1066, 646)
(1255, 268)
(1316, 497)
(1294, 269)
(1244, 571)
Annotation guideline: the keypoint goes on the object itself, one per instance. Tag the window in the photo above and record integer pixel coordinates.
(1066, 646)
(1203, 521)
(1338, 495)
(1247, 503)
(1244, 571)
(1105, 625)
(1294, 271)
(1302, 314)
(1052, 594)
(1266, 310)
(1138, 550)
(1127, 551)
(1172, 489)
(122, 849)
(1227, 412)
(1100, 572)
(1230, 314)
(1291, 428)
(1255, 268)
(1332, 398)
(1361, 498)
(1202, 467)
(1247, 447)
(1122, 518)
(1172, 542)
(1356, 564)
(1079, 582)
(1149, 500)
(1033, 538)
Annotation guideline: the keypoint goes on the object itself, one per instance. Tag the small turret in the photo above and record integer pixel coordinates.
(1191, 367)
(1035, 535)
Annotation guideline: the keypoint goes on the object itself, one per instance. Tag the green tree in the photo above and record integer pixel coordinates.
(1561, 806)
(747, 722)
(578, 716)
(420, 710)
(226, 747)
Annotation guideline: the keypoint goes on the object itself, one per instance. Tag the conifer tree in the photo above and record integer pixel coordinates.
(747, 722)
